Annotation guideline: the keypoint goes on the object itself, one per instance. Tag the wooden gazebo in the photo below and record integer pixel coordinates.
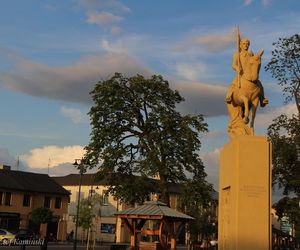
(165, 225)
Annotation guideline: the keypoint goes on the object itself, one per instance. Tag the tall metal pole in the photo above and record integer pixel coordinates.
(91, 207)
(78, 204)
(238, 40)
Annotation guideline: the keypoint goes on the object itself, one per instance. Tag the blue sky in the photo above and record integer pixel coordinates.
(53, 52)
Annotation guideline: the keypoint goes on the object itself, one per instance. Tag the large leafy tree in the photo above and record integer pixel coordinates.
(285, 67)
(136, 130)
(284, 132)
(288, 207)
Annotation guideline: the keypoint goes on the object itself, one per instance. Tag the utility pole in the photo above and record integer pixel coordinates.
(81, 172)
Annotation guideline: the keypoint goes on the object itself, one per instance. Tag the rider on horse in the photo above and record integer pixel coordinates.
(239, 63)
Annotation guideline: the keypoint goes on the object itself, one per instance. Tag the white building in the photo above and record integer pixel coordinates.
(105, 222)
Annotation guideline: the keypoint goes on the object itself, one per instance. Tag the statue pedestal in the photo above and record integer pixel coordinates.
(245, 194)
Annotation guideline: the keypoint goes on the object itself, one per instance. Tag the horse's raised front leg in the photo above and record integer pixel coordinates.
(246, 105)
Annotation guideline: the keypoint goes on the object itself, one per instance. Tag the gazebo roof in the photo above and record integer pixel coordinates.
(153, 209)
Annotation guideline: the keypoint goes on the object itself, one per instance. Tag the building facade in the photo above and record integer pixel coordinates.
(106, 228)
(104, 221)
(22, 192)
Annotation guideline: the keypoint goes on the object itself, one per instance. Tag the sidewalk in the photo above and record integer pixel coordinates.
(69, 246)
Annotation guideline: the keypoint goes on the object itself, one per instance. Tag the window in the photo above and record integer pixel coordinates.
(105, 197)
(1, 197)
(26, 200)
(57, 202)
(7, 199)
(47, 201)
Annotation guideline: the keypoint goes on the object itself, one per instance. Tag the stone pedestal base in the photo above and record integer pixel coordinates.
(245, 194)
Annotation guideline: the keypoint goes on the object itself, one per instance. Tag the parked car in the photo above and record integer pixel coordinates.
(6, 237)
(25, 234)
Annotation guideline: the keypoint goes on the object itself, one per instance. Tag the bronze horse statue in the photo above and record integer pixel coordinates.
(245, 98)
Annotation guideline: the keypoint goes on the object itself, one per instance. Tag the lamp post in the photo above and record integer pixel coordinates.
(82, 170)
(91, 210)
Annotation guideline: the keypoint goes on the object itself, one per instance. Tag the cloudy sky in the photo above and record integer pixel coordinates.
(52, 52)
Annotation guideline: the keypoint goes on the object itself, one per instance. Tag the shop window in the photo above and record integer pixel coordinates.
(7, 199)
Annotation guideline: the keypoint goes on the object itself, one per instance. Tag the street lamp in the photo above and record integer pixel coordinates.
(82, 170)
(91, 211)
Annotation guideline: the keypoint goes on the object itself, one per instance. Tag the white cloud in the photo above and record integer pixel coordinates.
(103, 4)
(213, 43)
(102, 18)
(104, 13)
(55, 168)
(52, 156)
(264, 2)
(118, 47)
(74, 114)
(248, 2)
(191, 71)
(263, 120)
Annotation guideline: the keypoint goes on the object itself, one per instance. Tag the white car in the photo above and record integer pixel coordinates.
(213, 243)
(6, 237)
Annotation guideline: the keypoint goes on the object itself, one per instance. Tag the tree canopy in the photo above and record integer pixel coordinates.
(89, 208)
(41, 215)
(136, 130)
(284, 132)
(285, 67)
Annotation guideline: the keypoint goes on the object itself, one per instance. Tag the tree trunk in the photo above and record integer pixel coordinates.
(297, 101)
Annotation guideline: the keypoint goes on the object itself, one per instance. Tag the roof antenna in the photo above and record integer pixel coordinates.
(49, 161)
(18, 163)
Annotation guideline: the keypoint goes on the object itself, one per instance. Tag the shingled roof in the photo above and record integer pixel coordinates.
(73, 180)
(154, 209)
(90, 179)
(30, 182)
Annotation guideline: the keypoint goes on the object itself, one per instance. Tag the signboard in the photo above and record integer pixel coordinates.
(107, 228)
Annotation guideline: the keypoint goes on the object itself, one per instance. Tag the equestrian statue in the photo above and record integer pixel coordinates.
(246, 91)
